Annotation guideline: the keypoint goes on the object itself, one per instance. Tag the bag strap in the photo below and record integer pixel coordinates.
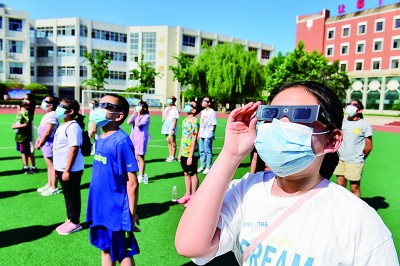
(283, 217)
(73, 121)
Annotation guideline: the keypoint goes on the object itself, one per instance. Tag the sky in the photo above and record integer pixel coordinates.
(266, 21)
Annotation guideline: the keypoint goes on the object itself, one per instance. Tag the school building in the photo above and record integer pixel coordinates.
(50, 51)
(367, 45)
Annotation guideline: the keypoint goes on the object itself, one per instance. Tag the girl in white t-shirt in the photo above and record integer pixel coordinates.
(68, 162)
(169, 127)
(294, 137)
(46, 130)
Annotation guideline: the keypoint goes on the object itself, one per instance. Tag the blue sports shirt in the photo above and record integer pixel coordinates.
(108, 203)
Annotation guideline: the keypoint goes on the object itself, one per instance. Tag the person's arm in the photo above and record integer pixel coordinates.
(131, 119)
(46, 134)
(143, 121)
(192, 148)
(197, 234)
(133, 192)
(73, 152)
(368, 146)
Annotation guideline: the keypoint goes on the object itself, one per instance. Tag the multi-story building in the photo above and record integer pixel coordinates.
(14, 45)
(51, 52)
(367, 45)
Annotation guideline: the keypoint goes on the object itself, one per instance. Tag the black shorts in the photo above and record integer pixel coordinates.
(190, 169)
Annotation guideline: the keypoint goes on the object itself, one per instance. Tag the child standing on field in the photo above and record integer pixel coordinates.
(113, 192)
(189, 152)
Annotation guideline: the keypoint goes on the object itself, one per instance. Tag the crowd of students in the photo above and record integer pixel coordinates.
(273, 214)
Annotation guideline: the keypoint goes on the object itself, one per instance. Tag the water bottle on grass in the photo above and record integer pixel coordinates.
(174, 194)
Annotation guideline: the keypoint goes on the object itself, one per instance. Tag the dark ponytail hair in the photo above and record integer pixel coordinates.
(75, 106)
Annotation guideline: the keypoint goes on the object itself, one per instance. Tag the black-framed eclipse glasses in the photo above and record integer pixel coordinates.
(64, 106)
(295, 113)
(106, 105)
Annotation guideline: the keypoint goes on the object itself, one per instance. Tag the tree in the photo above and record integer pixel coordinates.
(302, 65)
(145, 74)
(227, 73)
(182, 71)
(98, 63)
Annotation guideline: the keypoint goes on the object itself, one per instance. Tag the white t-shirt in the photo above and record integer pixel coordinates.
(332, 228)
(49, 118)
(63, 141)
(171, 113)
(208, 120)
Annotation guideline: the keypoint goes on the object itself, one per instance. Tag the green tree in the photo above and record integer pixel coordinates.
(98, 62)
(227, 73)
(182, 71)
(39, 90)
(302, 65)
(145, 74)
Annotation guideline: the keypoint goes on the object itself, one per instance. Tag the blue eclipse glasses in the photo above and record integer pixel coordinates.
(306, 114)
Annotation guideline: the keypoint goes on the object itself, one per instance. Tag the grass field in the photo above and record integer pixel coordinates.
(28, 220)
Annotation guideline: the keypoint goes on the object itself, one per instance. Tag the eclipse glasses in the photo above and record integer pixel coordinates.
(295, 113)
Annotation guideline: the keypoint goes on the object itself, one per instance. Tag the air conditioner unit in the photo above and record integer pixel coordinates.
(10, 55)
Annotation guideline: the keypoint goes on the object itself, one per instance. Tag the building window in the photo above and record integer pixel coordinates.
(32, 53)
(82, 51)
(360, 48)
(329, 51)
(343, 67)
(1, 67)
(396, 43)
(44, 32)
(376, 64)
(359, 66)
(149, 47)
(32, 71)
(65, 51)
(252, 49)
(1, 22)
(1, 44)
(45, 51)
(15, 24)
(344, 49)
(109, 36)
(45, 71)
(331, 34)
(134, 53)
(379, 25)
(189, 41)
(83, 31)
(15, 47)
(346, 31)
(395, 63)
(66, 30)
(16, 68)
(208, 42)
(83, 71)
(362, 29)
(66, 71)
(396, 23)
(378, 45)
(265, 54)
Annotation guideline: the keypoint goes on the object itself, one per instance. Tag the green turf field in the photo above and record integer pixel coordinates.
(28, 220)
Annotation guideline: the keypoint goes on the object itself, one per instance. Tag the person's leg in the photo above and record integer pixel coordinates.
(202, 154)
(128, 261)
(24, 160)
(31, 158)
(72, 196)
(106, 259)
(355, 188)
(50, 171)
(173, 146)
(341, 180)
(208, 151)
(140, 160)
(194, 182)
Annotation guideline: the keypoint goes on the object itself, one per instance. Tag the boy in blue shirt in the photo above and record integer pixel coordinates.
(113, 192)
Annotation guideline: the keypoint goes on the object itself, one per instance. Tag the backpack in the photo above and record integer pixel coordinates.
(86, 147)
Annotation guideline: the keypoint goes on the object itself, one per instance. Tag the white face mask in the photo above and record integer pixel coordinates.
(351, 110)
(138, 108)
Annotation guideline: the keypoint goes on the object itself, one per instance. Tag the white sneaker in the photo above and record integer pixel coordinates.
(145, 179)
(201, 168)
(140, 178)
(50, 192)
(206, 171)
(41, 189)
